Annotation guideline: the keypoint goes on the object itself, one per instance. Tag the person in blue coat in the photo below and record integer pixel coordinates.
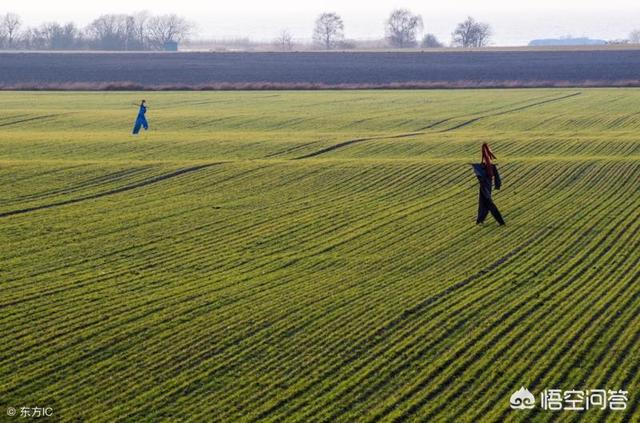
(141, 120)
(488, 176)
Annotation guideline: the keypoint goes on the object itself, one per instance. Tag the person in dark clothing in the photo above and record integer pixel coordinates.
(488, 176)
(141, 120)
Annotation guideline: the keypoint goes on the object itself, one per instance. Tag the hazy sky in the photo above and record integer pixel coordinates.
(513, 22)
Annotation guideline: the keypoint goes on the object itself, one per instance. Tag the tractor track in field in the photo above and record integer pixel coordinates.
(31, 119)
(125, 188)
(517, 109)
(48, 172)
(481, 112)
(434, 124)
(289, 150)
(88, 183)
(6, 118)
(356, 141)
(421, 131)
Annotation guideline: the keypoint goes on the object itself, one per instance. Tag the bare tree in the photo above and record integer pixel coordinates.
(53, 36)
(129, 33)
(140, 38)
(33, 39)
(108, 32)
(430, 41)
(9, 27)
(284, 41)
(165, 28)
(347, 45)
(329, 30)
(402, 28)
(634, 37)
(139, 31)
(61, 37)
(471, 33)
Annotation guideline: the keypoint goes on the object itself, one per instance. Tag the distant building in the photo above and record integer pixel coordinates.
(566, 42)
(618, 42)
(170, 46)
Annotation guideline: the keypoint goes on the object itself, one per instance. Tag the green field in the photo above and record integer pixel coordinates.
(313, 256)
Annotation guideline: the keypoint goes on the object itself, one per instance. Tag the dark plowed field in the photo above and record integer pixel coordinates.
(516, 68)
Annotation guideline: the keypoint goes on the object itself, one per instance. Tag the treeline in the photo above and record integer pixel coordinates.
(144, 31)
(119, 32)
(402, 28)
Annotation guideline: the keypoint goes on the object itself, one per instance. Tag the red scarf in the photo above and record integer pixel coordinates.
(487, 155)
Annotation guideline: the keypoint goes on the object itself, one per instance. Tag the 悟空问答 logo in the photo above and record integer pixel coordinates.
(522, 399)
